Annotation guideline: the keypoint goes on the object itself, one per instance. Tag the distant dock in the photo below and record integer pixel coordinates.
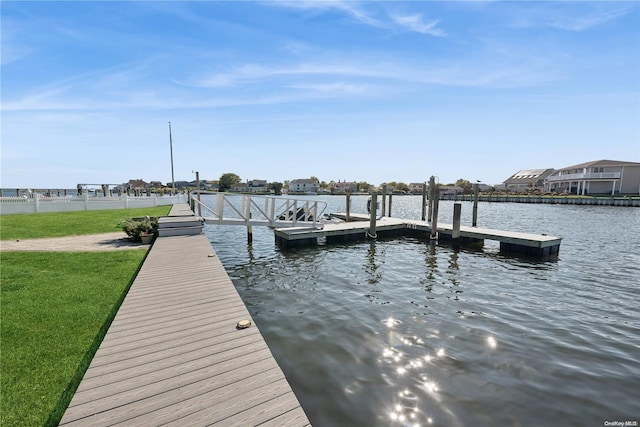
(627, 201)
(538, 246)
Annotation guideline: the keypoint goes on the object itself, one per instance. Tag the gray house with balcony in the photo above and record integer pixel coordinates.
(609, 177)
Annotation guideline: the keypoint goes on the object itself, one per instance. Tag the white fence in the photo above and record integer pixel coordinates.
(40, 203)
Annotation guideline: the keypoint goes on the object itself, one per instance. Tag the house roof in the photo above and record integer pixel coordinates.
(528, 175)
(602, 163)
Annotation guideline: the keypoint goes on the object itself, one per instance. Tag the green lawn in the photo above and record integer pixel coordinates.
(55, 309)
(58, 224)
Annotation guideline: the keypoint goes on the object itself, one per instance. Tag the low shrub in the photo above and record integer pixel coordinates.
(134, 227)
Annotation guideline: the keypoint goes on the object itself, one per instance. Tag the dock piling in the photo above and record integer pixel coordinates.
(455, 234)
(198, 193)
(474, 222)
(384, 198)
(372, 223)
(432, 187)
(424, 201)
(434, 222)
(348, 217)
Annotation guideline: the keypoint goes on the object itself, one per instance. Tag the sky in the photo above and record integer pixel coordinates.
(373, 91)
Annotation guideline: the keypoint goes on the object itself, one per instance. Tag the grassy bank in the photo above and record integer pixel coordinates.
(55, 310)
(58, 224)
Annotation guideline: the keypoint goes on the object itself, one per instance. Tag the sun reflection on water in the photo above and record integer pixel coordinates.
(411, 359)
(491, 342)
(391, 322)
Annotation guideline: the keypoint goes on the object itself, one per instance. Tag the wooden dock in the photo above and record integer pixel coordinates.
(173, 354)
(532, 245)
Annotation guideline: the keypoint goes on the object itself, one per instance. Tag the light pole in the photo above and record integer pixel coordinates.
(173, 181)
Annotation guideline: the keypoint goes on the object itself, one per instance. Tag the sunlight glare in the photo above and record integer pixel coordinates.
(491, 341)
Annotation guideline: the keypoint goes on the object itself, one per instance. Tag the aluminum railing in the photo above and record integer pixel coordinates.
(250, 210)
(583, 176)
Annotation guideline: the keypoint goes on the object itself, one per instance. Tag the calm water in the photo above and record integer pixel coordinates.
(401, 333)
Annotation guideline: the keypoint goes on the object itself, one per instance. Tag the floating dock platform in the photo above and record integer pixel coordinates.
(531, 245)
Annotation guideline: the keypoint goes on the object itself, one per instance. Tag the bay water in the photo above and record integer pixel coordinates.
(401, 332)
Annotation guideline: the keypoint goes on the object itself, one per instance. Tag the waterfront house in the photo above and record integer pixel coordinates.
(345, 187)
(211, 185)
(303, 186)
(527, 180)
(596, 177)
(416, 187)
(241, 187)
(181, 184)
(258, 186)
(137, 184)
(451, 190)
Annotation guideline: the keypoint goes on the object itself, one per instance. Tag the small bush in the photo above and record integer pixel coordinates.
(134, 227)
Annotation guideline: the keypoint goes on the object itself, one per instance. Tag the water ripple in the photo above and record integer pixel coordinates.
(400, 332)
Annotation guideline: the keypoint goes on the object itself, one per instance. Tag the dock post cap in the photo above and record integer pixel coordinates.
(243, 324)
(211, 255)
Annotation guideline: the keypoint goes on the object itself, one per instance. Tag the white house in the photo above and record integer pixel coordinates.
(303, 186)
(597, 177)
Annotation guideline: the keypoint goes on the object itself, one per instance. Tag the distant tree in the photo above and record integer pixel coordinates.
(364, 186)
(314, 179)
(323, 184)
(401, 186)
(228, 180)
(276, 187)
(464, 184)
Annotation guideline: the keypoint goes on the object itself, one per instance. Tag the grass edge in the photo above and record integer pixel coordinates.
(67, 395)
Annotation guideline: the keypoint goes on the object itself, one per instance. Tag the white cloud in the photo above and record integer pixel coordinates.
(568, 17)
(338, 87)
(350, 8)
(416, 23)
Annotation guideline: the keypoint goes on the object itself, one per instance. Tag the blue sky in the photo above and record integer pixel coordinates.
(342, 90)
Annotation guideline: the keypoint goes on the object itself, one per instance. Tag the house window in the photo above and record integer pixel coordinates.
(598, 170)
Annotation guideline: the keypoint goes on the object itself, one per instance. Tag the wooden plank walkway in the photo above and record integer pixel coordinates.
(173, 355)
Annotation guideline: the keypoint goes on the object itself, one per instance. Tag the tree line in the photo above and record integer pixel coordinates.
(229, 180)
